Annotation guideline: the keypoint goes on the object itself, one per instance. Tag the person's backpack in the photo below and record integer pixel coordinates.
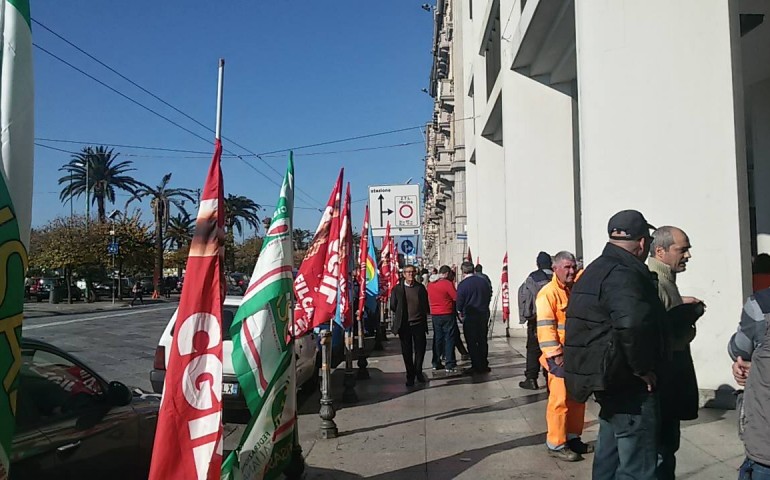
(528, 293)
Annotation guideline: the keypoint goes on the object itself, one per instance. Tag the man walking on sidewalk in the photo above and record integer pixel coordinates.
(409, 303)
(612, 347)
(441, 296)
(473, 297)
(564, 416)
(527, 314)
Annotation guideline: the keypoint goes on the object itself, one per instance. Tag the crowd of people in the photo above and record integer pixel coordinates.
(618, 330)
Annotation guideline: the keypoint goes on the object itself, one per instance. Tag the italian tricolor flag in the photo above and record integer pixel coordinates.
(263, 353)
(16, 152)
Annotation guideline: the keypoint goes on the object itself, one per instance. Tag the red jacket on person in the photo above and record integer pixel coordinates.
(441, 297)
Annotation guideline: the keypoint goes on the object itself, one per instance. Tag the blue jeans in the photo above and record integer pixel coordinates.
(444, 327)
(626, 447)
(751, 470)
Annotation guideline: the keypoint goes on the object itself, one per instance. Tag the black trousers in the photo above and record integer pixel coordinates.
(475, 329)
(414, 340)
(533, 351)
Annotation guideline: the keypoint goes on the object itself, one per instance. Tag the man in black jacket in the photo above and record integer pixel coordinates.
(409, 302)
(612, 347)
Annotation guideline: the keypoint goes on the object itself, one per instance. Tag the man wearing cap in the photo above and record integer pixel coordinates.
(612, 347)
(528, 314)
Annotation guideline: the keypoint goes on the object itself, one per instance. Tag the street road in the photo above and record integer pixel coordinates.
(118, 344)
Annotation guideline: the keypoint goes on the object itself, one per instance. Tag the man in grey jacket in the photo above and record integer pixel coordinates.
(527, 314)
(749, 348)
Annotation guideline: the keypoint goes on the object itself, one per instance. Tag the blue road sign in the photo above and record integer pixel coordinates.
(112, 248)
(407, 247)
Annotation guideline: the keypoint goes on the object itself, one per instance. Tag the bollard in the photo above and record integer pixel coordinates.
(327, 413)
(349, 394)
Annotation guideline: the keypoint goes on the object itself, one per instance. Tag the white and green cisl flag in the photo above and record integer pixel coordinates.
(17, 151)
(263, 355)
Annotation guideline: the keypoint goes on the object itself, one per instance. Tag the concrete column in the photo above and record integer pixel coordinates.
(490, 243)
(758, 104)
(540, 203)
(661, 131)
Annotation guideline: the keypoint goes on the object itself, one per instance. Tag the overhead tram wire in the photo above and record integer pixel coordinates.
(145, 107)
(164, 102)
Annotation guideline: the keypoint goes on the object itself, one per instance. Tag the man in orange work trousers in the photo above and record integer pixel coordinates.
(563, 416)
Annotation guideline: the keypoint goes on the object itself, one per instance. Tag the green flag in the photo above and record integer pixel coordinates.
(263, 357)
(16, 149)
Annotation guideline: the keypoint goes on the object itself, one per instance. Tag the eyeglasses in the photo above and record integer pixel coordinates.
(409, 272)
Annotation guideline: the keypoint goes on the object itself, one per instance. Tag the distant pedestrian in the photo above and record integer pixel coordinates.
(137, 291)
(442, 296)
(480, 273)
(564, 417)
(749, 348)
(473, 298)
(612, 347)
(528, 314)
(677, 385)
(409, 303)
(425, 276)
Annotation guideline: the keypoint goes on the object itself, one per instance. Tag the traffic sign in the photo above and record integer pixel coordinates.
(407, 247)
(113, 248)
(397, 204)
(462, 236)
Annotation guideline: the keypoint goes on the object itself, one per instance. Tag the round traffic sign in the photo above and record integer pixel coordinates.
(407, 247)
(406, 210)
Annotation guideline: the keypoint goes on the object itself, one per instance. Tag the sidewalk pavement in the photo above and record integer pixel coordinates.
(483, 427)
(46, 309)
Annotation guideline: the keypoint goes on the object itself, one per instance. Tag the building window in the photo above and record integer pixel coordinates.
(492, 50)
(470, 9)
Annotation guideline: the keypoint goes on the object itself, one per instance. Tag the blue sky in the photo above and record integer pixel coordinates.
(297, 72)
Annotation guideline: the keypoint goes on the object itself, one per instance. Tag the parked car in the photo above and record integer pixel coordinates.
(71, 423)
(40, 289)
(148, 285)
(234, 403)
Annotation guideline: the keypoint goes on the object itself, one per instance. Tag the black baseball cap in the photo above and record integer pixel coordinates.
(628, 225)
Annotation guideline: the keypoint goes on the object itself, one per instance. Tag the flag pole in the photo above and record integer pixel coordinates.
(220, 94)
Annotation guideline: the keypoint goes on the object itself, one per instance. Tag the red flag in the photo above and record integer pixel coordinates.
(188, 438)
(385, 264)
(325, 297)
(311, 270)
(362, 255)
(469, 257)
(345, 256)
(393, 265)
(504, 289)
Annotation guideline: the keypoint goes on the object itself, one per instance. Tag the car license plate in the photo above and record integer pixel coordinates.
(230, 389)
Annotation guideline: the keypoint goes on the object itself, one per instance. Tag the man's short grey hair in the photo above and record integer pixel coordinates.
(467, 268)
(662, 237)
(563, 255)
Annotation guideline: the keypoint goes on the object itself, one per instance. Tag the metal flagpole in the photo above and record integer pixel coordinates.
(220, 94)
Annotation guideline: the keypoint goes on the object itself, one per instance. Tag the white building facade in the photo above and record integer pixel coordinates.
(576, 109)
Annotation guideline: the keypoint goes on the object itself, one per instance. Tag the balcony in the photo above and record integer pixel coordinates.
(446, 90)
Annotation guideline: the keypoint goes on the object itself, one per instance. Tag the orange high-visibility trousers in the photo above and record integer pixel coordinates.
(563, 416)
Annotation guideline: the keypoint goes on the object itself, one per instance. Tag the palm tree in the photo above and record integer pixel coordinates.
(161, 197)
(179, 234)
(180, 229)
(98, 167)
(240, 210)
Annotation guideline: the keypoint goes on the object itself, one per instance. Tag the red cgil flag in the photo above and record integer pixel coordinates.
(393, 265)
(385, 265)
(504, 289)
(325, 297)
(311, 271)
(363, 254)
(188, 438)
(343, 263)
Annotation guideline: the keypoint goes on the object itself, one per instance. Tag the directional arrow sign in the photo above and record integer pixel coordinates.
(397, 204)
